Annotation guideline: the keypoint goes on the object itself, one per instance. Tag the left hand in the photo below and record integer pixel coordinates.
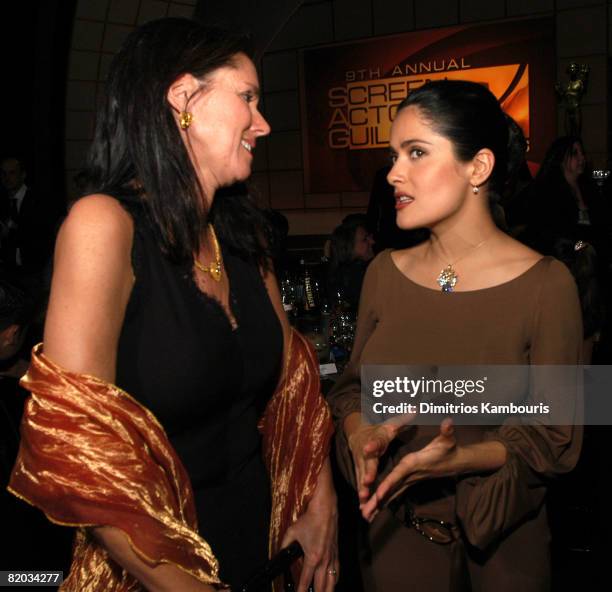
(438, 459)
(316, 531)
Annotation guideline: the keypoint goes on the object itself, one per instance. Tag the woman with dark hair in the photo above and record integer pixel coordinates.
(162, 289)
(457, 508)
(563, 200)
(350, 252)
(581, 260)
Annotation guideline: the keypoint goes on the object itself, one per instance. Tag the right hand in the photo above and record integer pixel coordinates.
(367, 444)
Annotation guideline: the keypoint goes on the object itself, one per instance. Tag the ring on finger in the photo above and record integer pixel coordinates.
(332, 571)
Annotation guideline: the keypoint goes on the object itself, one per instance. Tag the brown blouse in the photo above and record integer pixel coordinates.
(532, 319)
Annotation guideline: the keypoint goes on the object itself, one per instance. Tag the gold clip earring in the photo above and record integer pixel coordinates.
(185, 119)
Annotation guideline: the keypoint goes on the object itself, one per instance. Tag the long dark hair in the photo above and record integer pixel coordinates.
(137, 150)
(469, 115)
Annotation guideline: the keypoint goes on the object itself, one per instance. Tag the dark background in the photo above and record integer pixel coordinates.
(35, 39)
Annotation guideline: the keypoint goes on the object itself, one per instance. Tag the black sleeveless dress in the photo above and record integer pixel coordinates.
(207, 384)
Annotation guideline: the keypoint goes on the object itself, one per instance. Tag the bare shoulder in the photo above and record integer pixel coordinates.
(97, 233)
(91, 285)
(95, 239)
(97, 218)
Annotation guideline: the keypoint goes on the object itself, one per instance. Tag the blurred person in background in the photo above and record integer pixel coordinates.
(564, 203)
(581, 260)
(351, 250)
(29, 224)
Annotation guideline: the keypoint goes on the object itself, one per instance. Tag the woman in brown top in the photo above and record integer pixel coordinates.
(494, 302)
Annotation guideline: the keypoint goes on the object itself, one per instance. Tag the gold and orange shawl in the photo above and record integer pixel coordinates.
(91, 455)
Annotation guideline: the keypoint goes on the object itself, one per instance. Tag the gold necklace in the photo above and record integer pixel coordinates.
(447, 278)
(214, 269)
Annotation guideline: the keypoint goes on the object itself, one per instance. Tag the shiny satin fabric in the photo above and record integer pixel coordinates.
(297, 430)
(92, 455)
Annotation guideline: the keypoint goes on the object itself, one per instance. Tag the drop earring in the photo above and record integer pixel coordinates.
(475, 189)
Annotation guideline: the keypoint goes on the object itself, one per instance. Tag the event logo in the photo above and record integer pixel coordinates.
(350, 92)
(361, 112)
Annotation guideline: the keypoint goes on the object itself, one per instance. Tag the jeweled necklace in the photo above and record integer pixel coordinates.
(447, 278)
(214, 269)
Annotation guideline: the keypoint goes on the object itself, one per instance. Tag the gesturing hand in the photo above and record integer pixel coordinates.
(367, 444)
(438, 459)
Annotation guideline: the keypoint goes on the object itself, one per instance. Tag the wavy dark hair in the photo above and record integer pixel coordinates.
(138, 152)
(469, 115)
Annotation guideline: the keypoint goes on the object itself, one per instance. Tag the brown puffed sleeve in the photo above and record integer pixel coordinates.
(490, 506)
(345, 396)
